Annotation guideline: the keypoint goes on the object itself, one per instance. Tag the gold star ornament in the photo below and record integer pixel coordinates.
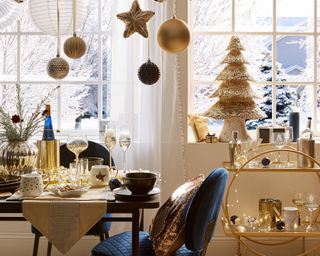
(135, 20)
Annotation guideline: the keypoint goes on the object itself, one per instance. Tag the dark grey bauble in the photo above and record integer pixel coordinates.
(149, 73)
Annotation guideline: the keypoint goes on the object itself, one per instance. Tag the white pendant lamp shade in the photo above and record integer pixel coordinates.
(44, 15)
(8, 12)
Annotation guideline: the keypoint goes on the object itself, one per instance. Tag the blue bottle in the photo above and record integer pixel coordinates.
(48, 133)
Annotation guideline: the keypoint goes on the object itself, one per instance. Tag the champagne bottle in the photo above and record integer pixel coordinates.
(234, 149)
(307, 133)
(48, 133)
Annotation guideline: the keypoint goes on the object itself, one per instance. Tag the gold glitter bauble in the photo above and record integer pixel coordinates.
(74, 47)
(173, 35)
(58, 68)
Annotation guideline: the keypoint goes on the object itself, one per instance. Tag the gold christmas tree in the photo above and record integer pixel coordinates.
(236, 98)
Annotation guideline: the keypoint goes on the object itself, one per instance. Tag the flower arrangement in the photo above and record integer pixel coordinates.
(20, 126)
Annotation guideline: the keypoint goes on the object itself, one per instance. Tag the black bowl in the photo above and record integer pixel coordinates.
(139, 182)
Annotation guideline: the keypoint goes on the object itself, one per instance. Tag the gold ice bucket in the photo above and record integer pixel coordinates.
(48, 155)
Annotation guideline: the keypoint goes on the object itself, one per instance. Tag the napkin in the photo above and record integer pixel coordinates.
(63, 222)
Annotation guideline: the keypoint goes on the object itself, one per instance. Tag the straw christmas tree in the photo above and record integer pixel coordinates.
(236, 98)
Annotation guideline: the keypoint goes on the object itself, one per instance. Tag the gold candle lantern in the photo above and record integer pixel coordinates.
(268, 211)
(48, 155)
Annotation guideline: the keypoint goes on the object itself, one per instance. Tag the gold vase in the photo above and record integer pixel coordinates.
(18, 157)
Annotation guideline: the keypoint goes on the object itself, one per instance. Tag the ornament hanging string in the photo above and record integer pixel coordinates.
(149, 46)
(58, 30)
(74, 17)
(174, 8)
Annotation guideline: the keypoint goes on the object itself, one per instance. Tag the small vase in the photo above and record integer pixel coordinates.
(18, 157)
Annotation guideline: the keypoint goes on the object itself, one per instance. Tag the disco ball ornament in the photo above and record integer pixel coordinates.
(173, 35)
(58, 68)
(74, 47)
(159, 1)
(44, 15)
(149, 73)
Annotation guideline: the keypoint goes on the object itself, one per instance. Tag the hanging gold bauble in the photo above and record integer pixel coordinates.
(173, 35)
(58, 68)
(74, 47)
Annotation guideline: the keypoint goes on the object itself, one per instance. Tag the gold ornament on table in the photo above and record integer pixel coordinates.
(135, 20)
(58, 68)
(236, 97)
(173, 35)
(74, 47)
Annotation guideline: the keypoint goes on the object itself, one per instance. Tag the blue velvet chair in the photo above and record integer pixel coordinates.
(201, 217)
(100, 229)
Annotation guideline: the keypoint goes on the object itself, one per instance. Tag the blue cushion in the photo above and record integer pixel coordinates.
(94, 231)
(204, 208)
(120, 245)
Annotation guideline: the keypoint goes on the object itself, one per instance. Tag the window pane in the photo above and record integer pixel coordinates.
(36, 51)
(212, 15)
(85, 68)
(79, 107)
(295, 15)
(264, 103)
(8, 57)
(106, 49)
(253, 15)
(8, 98)
(208, 52)
(294, 98)
(106, 101)
(201, 97)
(91, 23)
(295, 58)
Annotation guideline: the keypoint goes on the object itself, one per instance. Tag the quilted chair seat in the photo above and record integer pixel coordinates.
(201, 215)
(120, 245)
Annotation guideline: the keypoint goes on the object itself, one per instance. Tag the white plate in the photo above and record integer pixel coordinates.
(76, 191)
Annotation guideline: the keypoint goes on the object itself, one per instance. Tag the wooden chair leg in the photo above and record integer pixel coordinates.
(101, 235)
(36, 245)
(106, 235)
(49, 248)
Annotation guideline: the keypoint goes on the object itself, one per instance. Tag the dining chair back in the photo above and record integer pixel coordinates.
(201, 217)
(94, 150)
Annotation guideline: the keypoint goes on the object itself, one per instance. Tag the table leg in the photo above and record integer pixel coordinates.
(141, 227)
(135, 233)
(238, 247)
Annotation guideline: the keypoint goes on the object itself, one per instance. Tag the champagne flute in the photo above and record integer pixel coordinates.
(311, 204)
(76, 144)
(124, 142)
(110, 141)
(299, 201)
(288, 135)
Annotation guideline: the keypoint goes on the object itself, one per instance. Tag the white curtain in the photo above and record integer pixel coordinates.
(153, 113)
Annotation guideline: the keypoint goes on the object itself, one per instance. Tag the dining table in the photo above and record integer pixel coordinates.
(131, 211)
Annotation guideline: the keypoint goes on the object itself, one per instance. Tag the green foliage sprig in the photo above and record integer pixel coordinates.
(21, 126)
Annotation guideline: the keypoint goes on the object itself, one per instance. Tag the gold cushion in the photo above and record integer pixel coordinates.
(167, 230)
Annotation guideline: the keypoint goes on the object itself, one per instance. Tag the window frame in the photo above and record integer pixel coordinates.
(100, 82)
(315, 83)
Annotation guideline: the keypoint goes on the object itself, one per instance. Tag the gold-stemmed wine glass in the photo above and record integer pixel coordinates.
(76, 144)
(124, 142)
(311, 204)
(299, 200)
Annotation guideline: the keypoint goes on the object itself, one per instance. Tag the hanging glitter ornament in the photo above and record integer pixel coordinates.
(74, 47)
(58, 68)
(173, 35)
(160, 1)
(149, 73)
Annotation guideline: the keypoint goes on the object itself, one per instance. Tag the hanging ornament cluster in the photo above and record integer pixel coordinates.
(149, 73)
(74, 47)
(173, 35)
(135, 20)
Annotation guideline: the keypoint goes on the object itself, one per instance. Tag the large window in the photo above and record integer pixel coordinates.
(281, 41)
(83, 98)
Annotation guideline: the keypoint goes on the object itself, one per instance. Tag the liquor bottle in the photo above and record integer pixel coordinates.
(48, 133)
(234, 149)
(307, 133)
